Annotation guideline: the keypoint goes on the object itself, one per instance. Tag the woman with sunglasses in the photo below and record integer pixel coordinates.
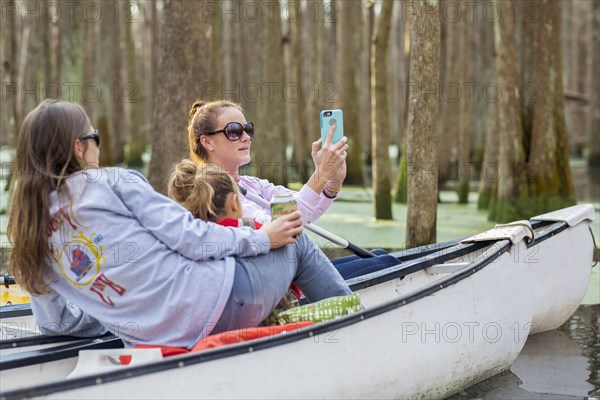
(218, 133)
(98, 249)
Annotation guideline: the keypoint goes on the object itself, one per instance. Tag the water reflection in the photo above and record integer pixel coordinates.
(560, 364)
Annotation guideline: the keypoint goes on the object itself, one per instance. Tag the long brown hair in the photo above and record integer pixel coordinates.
(201, 189)
(45, 156)
(202, 119)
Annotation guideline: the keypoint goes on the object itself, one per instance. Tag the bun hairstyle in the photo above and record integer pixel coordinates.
(202, 118)
(201, 189)
(194, 108)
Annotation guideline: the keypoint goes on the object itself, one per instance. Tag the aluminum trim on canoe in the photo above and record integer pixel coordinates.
(56, 353)
(43, 339)
(553, 229)
(15, 310)
(493, 253)
(400, 270)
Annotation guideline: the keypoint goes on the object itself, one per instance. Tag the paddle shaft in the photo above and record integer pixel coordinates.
(359, 251)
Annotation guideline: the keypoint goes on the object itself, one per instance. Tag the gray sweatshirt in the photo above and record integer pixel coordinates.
(128, 259)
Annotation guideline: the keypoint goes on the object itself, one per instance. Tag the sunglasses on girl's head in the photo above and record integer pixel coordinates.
(94, 135)
(234, 131)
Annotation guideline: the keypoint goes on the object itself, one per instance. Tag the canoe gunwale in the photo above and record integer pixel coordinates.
(492, 253)
(107, 341)
(552, 229)
(43, 339)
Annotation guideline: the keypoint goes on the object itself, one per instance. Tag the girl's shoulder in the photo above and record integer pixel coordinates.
(110, 175)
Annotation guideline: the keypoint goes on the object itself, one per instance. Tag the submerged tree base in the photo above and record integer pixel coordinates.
(485, 197)
(526, 207)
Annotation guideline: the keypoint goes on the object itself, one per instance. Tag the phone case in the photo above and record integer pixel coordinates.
(336, 117)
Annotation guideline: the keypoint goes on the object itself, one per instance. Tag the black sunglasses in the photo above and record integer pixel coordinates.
(234, 131)
(94, 135)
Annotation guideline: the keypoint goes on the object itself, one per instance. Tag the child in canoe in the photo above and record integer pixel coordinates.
(210, 194)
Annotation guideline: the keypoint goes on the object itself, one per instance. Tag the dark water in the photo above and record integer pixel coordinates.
(559, 364)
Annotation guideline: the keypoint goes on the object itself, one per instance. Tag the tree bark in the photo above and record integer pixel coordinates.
(10, 118)
(489, 165)
(551, 182)
(297, 108)
(366, 77)
(178, 66)
(382, 186)
(464, 134)
(401, 182)
(134, 102)
(350, 21)
(504, 205)
(272, 162)
(421, 216)
(451, 92)
(593, 139)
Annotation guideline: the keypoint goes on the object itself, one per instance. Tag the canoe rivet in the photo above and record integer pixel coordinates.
(181, 364)
(441, 286)
(14, 345)
(403, 301)
(250, 349)
(310, 334)
(98, 381)
(362, 317)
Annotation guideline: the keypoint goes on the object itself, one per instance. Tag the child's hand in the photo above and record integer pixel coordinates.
(283, 229)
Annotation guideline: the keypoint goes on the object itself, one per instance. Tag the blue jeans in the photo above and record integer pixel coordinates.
(260, 282)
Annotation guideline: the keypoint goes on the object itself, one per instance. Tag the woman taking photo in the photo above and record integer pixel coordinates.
(98, 249)
(218, 133)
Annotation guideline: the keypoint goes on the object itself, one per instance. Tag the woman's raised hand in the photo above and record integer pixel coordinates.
(330, 160)
(283, 229)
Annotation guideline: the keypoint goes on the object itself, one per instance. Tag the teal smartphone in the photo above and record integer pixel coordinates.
(329, 118)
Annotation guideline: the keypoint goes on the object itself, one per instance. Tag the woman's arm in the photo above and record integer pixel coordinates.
(310, 204)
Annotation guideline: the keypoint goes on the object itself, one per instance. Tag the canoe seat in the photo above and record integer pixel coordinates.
(229, 337)
(353, 266)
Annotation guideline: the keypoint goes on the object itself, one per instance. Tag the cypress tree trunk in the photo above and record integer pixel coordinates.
(349, 101)
(450, 95)
(504, 204)
(400, 183)
(134, 102)
(273, 164)
(421, 216)
(464, 134)
(178, 66)
(551, 182)
(593, 153)
(300, 135)
(382, 186)
(489, 165)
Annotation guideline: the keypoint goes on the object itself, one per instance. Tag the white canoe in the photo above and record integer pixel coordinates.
(462, 319)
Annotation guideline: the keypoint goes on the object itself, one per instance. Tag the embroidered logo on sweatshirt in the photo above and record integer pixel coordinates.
(85, 258)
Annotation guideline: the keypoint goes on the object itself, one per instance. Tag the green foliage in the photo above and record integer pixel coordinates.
(525, 207)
